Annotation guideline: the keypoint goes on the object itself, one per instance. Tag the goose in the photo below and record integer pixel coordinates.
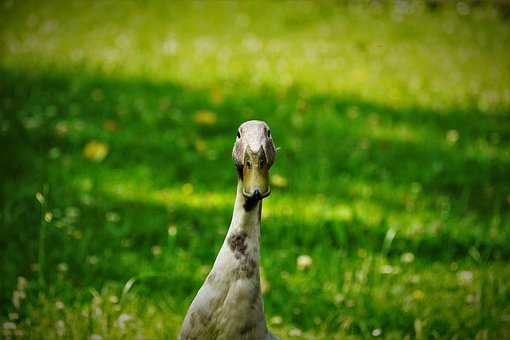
(229, 304)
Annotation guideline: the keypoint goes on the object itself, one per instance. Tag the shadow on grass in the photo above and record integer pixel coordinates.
(325, 142)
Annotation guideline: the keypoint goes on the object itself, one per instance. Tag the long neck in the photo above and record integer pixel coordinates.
(246, 217)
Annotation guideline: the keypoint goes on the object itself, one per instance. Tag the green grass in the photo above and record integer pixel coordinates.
(393, 123)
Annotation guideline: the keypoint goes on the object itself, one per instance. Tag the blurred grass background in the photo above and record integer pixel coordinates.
(391, 184)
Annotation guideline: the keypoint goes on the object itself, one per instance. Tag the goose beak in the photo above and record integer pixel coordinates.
(255, 175)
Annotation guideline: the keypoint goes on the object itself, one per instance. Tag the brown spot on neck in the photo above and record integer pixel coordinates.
(237, 243)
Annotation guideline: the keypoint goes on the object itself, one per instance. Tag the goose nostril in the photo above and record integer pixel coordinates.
(256, 194)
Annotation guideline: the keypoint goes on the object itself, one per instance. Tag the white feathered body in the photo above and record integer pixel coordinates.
(229, 303)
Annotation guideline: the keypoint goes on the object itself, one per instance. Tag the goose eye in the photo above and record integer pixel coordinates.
(261, 164)
(268, 133)
(238, 134)
(248, 164)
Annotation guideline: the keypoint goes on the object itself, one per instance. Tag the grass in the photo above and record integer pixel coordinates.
(393, 122)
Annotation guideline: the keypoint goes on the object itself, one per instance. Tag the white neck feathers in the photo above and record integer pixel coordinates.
(246, 217)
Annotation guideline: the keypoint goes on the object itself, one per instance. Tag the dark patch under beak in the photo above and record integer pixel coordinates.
(256, 195)
(252, 200)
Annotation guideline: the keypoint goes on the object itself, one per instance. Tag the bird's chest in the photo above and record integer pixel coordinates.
(241, 313)
(229, 304)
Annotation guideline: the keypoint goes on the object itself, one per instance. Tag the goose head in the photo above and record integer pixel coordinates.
(254, 153)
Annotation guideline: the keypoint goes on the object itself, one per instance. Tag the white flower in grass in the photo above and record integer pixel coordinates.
(48, 216)
(172, 230)
(92, 259)
(407, 257)
(156, 250)
(62, 267)
(276, 320)
(22, 283)
(10, 326)
(386, 269)
(122, 320)
(17, 297)
(465, 277)
(452, 136)
(339, 298)
(113, 299)
(376, 332)
(40, 198)
(61, 327)
(304, 262)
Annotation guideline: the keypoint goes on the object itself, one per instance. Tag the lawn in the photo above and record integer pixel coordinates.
(117, 122)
